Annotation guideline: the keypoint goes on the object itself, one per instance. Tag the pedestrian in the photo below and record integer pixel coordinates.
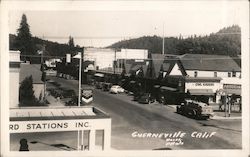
(221, 102)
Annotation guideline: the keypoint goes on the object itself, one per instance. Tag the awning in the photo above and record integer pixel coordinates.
(99, 75)
(201, 91)
(233, 91)
(168, 88)
(136, 67)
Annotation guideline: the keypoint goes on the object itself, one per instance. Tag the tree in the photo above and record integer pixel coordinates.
(26, 93)
(71, 45)
(24, 38)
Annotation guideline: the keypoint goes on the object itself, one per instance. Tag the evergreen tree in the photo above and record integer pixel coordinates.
(26, 92)
(23, 40)
(71, 45)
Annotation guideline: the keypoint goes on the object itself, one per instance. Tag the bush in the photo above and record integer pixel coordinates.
(26, 94)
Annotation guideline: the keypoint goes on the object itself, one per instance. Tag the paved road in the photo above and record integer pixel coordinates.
(130, 118)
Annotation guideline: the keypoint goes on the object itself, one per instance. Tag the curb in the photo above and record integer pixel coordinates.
(216, 117)
(225, 118)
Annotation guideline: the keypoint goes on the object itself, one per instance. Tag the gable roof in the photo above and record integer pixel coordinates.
(206, 62)
(157, 60)
(31, 69)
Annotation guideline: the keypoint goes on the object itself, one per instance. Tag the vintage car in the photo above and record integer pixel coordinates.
(146, 98)
(195, 109)
(116, 89)
(106, 86)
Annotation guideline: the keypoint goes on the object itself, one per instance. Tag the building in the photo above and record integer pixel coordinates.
(132, 54)
(201, 74)
(33, 70)
(14, 71)
(51, 63)
(107, 58)
(102, 57)
(87, 120)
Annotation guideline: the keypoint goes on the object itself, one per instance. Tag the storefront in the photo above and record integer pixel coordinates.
(82, 120)
(203, 88)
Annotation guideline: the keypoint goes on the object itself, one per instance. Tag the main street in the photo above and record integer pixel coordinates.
(131, 119)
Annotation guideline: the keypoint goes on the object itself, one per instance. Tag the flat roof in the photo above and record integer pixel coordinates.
(33, 70)
(56, 113)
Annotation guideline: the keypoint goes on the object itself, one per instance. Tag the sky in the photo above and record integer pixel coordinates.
(100, 28)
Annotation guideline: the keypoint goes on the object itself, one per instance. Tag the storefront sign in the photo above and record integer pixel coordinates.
(57, 125)
(204, 84)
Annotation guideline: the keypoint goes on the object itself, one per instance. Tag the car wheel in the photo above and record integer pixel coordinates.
(194, 114)
(178, 110)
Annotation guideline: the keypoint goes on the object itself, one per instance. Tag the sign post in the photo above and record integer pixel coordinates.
(79, 56)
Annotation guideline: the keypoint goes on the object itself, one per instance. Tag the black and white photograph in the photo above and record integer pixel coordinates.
(142, 78)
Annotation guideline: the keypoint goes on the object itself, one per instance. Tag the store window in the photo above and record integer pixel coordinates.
(215, 74)
(233, 74)
(229, 74)
(195, 73)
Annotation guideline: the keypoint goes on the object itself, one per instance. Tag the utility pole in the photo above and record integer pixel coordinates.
(163, 42)
(43, 73)
(115, 61)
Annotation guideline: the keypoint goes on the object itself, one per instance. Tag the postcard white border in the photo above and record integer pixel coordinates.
(7, 6)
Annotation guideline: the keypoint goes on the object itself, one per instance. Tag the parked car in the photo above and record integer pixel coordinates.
(146, 98)
(116, 89)
(195, 109)
(106, 86)
(98, 85)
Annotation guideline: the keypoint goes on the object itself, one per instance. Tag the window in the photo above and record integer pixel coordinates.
(233, 74)
(215, 74)
(195, 74)
(229, 74)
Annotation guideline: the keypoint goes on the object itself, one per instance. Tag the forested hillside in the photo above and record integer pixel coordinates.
(226, 41)
(51, 48)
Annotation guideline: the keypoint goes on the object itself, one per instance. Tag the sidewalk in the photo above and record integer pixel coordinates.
(53, 101)
(220, 115)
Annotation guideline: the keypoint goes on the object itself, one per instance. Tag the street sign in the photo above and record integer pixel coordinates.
(87, 96)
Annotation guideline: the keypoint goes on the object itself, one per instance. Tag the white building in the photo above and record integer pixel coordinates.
(206, 74)
(139, 54)
(14, 78)
(104, 57)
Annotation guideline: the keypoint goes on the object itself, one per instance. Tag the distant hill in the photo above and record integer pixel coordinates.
(226, 41)
(52, 48)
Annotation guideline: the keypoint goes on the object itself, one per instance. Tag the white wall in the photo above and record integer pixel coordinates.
(14, 87)
(210, 73)
(14, 80)
(38, 89)
(176, 70)
(103, 58)
(132, 54)
(203, 85)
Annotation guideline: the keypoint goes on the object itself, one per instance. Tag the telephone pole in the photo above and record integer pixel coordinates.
(163, 42)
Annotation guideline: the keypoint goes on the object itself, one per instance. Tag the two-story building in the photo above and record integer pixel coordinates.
(201, 74)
